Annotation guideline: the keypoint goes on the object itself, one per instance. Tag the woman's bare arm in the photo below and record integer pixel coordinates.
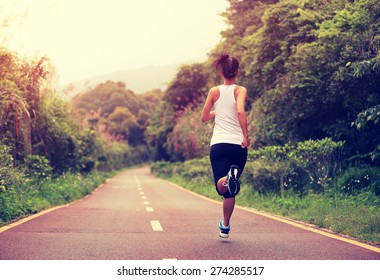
(242, 117)
(207, 113)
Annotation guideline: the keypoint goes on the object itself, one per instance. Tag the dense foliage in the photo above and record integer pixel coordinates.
(45, 158)
(112, 108)
(44, 139)
(312, 70)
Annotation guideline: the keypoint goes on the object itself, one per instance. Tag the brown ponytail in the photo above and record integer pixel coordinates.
(228, 65)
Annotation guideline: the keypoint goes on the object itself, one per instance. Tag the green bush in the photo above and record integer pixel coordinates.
(321, 159)
(162, 169)
(38, 168)
(9, 175)
(359, 179)
(261, 178)
(306, 165)
(196, 168)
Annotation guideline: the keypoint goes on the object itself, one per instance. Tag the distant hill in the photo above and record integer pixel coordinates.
(138, 80)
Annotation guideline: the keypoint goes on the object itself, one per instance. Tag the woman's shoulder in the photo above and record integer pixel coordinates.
(214, 90)
(240, 88)
(214, 93)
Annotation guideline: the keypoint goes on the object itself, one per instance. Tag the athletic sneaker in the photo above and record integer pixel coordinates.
(232, 180)
(224, 231)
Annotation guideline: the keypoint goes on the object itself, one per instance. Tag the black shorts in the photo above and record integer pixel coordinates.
(223, 155)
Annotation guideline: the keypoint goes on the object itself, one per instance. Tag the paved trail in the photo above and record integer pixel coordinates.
(137, 216)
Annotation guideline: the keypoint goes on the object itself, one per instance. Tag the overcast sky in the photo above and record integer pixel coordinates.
(84, 38)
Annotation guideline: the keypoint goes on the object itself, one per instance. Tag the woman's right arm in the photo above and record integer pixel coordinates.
(207, 114)
(240, 104)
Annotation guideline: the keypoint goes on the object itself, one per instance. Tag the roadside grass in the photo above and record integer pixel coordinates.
(343, 215)
(31, 197)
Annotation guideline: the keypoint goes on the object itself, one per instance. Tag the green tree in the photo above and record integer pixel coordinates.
(188, 89)
(118, 108)
(368, 121)
(190, 138)
(105, 97)
(120, 121)
(161, 125)
(298, 60)
(23, 85)
(57, 137)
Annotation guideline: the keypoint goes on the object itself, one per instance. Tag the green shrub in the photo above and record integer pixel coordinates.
(195, 169)
(309, 164)
(38, 168)
(359, 179)
(321, 159)
(261, 178)
(162, 169)
(9, 176)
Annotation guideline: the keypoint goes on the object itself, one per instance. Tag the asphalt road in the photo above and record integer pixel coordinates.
(135, 216)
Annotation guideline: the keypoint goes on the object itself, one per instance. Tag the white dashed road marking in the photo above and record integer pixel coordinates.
(156, 226)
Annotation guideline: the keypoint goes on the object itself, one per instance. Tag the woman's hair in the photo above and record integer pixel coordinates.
(228, 65)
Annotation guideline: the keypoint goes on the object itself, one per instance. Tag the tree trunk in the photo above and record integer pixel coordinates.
(282, 187)
(27, 134)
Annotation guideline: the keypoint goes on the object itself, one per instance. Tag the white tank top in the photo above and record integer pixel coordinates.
(227, 128)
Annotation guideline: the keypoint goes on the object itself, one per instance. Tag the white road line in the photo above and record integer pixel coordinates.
(144, 197)
(146, 202)
(141, 193)
(137, 181)
(156, 226)
(149, 209)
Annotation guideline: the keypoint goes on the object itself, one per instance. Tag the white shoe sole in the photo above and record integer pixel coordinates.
(223, 235)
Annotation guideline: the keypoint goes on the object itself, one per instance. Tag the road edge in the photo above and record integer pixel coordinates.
(43, 212)
(302, 225)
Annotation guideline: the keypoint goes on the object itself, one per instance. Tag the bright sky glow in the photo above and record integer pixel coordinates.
(84, 38)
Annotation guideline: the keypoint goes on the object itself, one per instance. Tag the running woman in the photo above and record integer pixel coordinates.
(229, 143)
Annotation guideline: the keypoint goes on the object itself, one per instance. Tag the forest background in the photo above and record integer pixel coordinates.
(312, 70)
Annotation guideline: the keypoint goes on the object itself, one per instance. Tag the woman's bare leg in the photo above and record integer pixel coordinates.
(228, 203)
(228, 208)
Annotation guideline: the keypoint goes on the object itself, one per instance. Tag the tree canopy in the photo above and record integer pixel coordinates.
(310, 67)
